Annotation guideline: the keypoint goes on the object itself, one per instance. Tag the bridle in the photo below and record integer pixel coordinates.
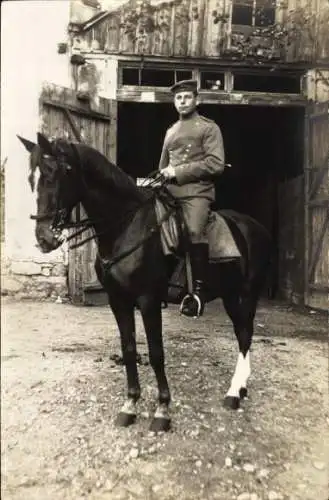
(60, 215)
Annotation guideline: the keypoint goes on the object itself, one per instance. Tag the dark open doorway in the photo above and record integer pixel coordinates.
(263, 144)
(141, 130)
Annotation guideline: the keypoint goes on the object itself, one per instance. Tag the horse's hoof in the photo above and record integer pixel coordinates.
(232, 402)
(243, 392)
(125, 419)
(160, 425)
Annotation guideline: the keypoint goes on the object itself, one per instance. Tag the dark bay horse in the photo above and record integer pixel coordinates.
(123, 217)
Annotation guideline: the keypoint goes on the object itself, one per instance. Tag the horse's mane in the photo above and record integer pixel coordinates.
(99, 168)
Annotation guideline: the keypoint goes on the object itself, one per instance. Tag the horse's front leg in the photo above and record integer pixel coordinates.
(242, 314)
(150, 308)
(123, 310)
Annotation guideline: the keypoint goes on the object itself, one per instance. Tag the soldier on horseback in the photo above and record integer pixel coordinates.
(192, 154)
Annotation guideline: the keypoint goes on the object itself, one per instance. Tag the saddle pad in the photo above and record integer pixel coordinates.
(221, 242)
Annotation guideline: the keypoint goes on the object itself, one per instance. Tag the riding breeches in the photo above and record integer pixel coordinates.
(196, 213)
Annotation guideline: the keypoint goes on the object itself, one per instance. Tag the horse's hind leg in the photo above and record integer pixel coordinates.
(241, 310)
(123, 310)
(150, 308)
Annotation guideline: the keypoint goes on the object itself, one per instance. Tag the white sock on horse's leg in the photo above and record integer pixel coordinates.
(129, 407)
(241, 375)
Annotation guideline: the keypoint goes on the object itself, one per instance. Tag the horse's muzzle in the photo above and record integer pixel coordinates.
(48, 239)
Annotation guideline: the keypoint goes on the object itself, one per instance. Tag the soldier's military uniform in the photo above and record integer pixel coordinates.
(194, 147)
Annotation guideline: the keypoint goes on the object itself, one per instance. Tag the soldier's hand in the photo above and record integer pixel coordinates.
(168, 172)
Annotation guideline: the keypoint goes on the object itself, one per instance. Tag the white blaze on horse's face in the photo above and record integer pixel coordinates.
(46, 198)
(36, 178)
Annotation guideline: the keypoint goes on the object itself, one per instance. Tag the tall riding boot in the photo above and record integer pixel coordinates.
(193, 304)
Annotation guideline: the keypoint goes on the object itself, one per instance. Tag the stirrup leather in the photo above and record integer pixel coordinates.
(196, 266)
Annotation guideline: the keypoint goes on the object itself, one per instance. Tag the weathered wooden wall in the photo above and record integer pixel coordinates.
(318, 85)
(97, 128)
(203, 28)
(317, 207)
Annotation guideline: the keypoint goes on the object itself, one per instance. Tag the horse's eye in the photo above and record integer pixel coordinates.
(46, 157)
(68, 167)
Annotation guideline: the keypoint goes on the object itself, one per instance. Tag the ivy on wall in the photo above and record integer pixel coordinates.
(302, 35)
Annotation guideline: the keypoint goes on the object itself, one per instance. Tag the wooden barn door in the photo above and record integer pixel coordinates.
(64, 114)
(317, 207)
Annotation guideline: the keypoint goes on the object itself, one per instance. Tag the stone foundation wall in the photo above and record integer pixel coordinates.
(33, 280)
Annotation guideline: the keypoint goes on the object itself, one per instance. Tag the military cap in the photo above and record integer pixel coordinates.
(190, 85)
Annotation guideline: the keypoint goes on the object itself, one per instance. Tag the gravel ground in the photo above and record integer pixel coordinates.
(61, 392)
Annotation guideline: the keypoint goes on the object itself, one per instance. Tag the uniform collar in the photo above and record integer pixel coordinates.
(193, 115)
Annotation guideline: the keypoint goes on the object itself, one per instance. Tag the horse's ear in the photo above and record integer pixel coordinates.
(28, 144)
(44, 144)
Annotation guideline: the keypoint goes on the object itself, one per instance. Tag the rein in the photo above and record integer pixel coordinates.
(153, 230)
(157, 183)
(89, 223)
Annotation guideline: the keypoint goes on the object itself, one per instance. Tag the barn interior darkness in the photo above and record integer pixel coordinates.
(264, 145)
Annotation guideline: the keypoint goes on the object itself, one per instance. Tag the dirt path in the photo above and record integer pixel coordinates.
(61, 392)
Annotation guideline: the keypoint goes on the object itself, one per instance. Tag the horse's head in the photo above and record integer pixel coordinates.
(57, 189)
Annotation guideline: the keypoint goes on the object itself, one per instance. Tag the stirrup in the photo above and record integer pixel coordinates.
(192, 306)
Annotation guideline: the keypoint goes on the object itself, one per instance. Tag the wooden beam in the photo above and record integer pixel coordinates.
(162, 94)
(201, 61)
(319, 287)
(175, 63)
(317, 181)
(321, 202)
(307, 218)
(317, 250)
(75, 109)
(74, 128)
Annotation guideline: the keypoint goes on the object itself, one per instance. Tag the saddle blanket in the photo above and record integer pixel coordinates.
(221, 242)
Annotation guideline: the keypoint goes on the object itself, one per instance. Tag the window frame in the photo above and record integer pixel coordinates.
(254, 4)
(151, 67)
(228, 84)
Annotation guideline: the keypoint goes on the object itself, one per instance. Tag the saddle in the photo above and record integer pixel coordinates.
(222, 246)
